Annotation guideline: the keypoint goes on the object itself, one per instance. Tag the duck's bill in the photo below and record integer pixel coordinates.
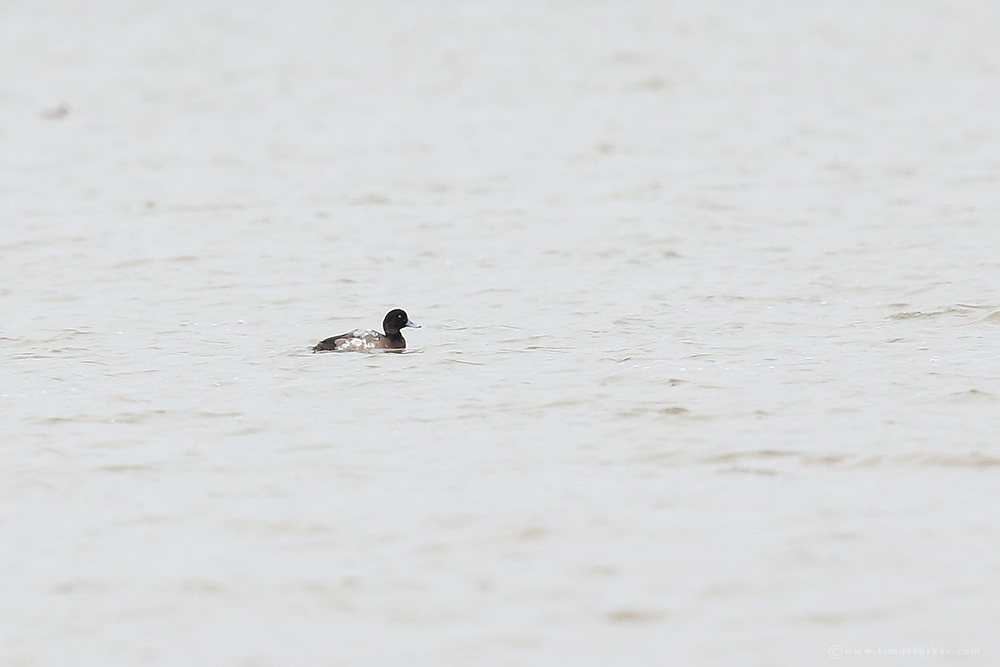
(412, 325)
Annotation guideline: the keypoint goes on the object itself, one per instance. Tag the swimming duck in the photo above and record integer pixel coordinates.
(361, 340)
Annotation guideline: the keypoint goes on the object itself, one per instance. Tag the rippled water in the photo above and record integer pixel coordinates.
(708, 371)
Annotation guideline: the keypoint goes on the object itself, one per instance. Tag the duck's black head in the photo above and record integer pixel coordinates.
(396, 320)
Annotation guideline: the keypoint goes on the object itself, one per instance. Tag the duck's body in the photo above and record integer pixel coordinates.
(363, 340)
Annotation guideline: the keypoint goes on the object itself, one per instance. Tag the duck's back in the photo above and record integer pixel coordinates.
(353, 341)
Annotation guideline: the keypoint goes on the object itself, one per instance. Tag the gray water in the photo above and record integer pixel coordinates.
(708, 371)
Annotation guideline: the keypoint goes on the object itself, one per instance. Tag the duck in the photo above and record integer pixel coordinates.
(363, 340)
